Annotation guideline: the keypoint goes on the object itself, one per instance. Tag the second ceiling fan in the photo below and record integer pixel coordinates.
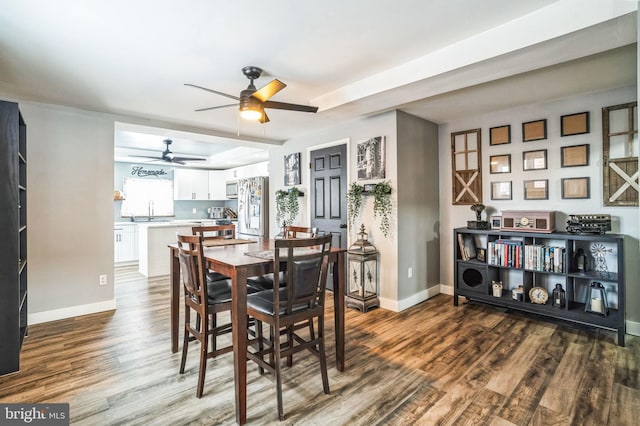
(252, 102)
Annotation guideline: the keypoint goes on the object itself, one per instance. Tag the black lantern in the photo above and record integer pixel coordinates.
(363, 274)
(580, 261)
(559, 299)
(596, 299)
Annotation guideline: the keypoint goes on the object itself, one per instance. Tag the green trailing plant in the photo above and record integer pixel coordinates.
(287, 207)
(382, 205)
(354, 202)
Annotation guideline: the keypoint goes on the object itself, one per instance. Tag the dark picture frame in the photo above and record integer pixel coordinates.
(536, 189)
(500, 135)
(574, 155)
(574, 124)
(534, 160)
(500, 164)
(371, 162)
(292, 169)
(501, 190)
(534, 130)
(576, 188)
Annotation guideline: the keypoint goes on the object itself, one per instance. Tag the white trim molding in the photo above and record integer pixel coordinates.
(70, 312)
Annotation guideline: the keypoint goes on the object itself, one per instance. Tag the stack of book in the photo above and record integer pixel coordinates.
(507, 253)
(544, 258)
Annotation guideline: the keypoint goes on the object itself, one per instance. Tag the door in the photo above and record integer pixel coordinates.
(329, 194)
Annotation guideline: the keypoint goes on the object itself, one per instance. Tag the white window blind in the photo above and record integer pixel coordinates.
(145, 197)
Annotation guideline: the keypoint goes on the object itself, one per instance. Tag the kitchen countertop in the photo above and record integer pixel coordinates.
(169, 223)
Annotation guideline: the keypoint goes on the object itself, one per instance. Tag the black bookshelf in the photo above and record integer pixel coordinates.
(473, 277)
(13, 236)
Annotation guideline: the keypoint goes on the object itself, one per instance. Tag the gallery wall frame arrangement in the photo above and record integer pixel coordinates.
(576, 188)
(500, 135)
(574, 155)
(534, 130)
(536, 189)
(534, 160)
(371, 162)
(574, 124)
(501, 190)
(466, 158)
(500, 163)
(292, 169)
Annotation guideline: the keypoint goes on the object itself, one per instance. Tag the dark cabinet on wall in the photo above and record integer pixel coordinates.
(574, 278)
(13, 236)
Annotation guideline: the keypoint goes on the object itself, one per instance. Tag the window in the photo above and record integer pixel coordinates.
(147, 197)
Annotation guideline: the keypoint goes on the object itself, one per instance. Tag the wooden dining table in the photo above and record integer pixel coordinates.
(230, 259)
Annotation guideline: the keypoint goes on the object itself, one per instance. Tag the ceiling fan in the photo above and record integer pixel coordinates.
(169, 157)
(252, 102)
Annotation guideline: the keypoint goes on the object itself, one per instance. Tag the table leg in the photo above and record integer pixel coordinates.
(239, 333)
(174, 276)
(338, 307)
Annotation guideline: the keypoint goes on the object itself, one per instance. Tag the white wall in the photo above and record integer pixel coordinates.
(625, 219)
(70, 211)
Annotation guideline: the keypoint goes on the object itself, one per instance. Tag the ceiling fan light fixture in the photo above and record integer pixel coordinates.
(250, 113)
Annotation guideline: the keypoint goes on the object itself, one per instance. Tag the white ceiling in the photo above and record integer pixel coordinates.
(436, 59)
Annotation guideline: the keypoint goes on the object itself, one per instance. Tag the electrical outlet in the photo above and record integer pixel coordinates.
(194, 210)
(103, 280)
(409, 272)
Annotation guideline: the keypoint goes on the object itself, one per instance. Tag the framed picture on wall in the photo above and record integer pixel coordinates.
(574, 124)
(534, 160)
(575, 188)
(534, 130)
(501, 190)
(537, 189)
(500, 135)
(371, 158)
(292, 169)
(500, 163)
(574, 156)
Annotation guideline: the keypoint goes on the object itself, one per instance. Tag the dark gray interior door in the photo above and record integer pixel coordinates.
(329, 194)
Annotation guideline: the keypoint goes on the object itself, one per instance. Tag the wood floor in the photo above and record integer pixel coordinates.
(431, 364)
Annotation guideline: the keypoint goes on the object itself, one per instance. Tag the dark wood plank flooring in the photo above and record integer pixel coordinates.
(431, 364)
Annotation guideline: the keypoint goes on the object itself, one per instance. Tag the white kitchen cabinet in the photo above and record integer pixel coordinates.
(125, 244)
(190, 184)
(217, 184)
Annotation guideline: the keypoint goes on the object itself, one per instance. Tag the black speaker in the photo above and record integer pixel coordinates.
(472, 278)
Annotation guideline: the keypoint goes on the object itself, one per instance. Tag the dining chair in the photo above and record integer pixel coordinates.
(299, 302)
(210, 234)
(265, 281)
(203, 299)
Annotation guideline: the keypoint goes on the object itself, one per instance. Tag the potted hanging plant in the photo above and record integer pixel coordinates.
(354, 201)
(287, 207)
(382, 205)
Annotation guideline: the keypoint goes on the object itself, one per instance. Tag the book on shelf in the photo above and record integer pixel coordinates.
(544, 258)
(507, 253)
(467, 246)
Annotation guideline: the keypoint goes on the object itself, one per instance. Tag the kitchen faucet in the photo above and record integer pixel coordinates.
(150, 210)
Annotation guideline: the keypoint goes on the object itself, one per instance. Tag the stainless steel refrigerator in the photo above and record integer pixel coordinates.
(253, 207)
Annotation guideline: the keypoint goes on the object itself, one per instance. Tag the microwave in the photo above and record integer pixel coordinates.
(232, 189)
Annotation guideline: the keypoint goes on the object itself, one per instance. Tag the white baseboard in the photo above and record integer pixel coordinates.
(71, 311)
(632, 328)
(401, 305)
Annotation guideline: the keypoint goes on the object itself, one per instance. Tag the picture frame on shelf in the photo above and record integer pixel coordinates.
(536, 189)
(574, 124)
(501, 190)
(576, 188)
(534, 130)
(534, 160)
(500, 135)
(496, 222)
(500, 164)
(574, 156)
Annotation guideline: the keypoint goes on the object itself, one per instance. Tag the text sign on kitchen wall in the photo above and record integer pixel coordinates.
(142, 172)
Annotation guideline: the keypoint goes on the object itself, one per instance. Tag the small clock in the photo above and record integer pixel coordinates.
(538, 295)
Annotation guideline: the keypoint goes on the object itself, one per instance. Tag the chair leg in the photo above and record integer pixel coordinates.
(204, 347)
(276, 359)
(214, 325)
(260, 344)
(185, 342)
(290, 345)
(323, 356)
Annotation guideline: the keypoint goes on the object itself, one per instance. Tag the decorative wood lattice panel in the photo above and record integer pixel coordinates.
(466, 158)
(620, 155)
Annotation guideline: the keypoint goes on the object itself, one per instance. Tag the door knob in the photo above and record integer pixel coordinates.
(343, 225)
